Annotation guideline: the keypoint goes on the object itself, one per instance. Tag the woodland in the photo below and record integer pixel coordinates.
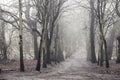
(59, 39)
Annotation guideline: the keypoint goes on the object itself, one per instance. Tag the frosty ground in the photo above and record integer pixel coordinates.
(73, 68)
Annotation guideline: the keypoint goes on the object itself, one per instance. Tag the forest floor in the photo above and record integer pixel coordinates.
(74, 68)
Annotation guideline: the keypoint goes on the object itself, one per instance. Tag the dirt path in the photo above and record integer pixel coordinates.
(74, 68)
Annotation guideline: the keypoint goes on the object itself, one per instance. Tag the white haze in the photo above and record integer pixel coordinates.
(73, 22)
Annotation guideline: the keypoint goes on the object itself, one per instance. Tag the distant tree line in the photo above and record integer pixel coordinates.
(103, 20)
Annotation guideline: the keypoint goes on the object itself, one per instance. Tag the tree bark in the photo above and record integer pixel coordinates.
(32, 24)
(38, 66)
(21, 38)
(110, 43)
(36, 51)
(106, 54)
(92, 35)
(101, 54)
(118, 53)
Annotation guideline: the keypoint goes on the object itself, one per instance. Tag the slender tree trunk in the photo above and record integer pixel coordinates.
(50, 41)
(36, 51)
(98, 62)
(103, 44)
(56, 50)
(56, 44)
(21, 55)
(106, 54)
(21, 38)
(60, 56)
(35, 47)
(44, 59)
(48, 51)
(92, 34)
(5, 52)
(101, 55)
(110, 43)
(118, 53)
(38, 66)
(32, 24)
(44, 48)
(4, 41)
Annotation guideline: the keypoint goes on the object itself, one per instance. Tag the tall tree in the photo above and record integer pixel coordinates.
(43, 17)
(3, 39)
(55, 12)
(21, 38)
(48, 13)
(110, 42)
(91, 54)
(118, 38)
(32, 24)
(101, 6)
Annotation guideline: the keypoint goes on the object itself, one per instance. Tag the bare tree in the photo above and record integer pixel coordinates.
(91, 54)
(48, 15)
(105, 20)
(32, 24)
(21, 38)
(118, 13)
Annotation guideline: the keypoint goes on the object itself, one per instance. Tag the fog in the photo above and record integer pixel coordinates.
(72, 24)
(59, 39)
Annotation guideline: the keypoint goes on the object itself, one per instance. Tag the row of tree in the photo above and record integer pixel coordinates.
(48, 14)
(103, 18)
(43, 27)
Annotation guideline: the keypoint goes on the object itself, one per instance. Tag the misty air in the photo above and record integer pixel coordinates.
(59, 39)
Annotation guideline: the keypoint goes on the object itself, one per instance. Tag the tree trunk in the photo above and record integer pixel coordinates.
(44, 59)
(110, 43)
(35, 46)
(92, 34)
(35, 42)
(32, 24)
(5, 52)
(60, 56)
(49, 41)
(106, 54)
(56, 44)
(21, 55)
(21, 39)
(4, 42)
(101, 55)
(44, 51)
(98, 62)
(118, 53)
(48, 50)
(44, 46)
(38, 66)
